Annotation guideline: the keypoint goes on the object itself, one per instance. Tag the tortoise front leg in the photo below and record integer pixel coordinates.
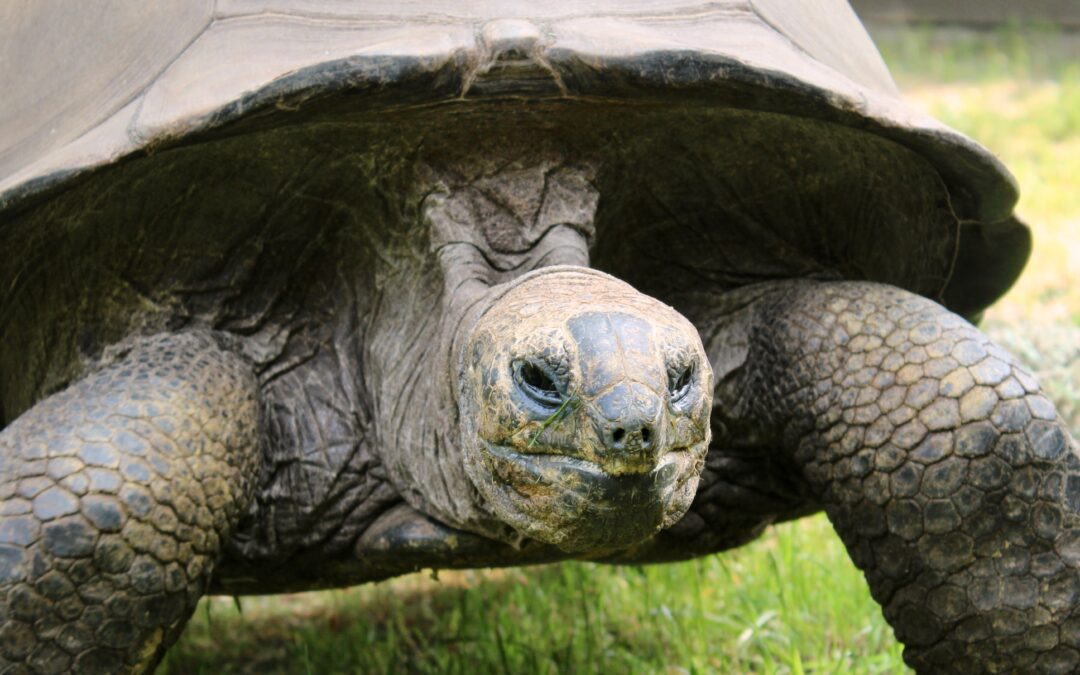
(950, 478)
(117, 493)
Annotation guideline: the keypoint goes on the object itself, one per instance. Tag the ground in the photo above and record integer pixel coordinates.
(790, 603)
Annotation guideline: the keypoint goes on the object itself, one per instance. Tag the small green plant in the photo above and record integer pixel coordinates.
(570, 404)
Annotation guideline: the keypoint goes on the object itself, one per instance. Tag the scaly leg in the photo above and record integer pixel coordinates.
(116, 494)
(952, 481)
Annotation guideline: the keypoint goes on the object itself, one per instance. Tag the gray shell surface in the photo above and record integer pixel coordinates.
(740, 140)
(134, 76)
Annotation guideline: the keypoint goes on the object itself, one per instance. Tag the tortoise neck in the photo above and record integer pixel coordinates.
(496, 219)
(490, 223)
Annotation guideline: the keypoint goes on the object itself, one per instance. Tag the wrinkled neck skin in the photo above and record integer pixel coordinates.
(489, 225)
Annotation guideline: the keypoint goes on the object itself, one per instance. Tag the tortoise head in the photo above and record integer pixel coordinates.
(584, 410)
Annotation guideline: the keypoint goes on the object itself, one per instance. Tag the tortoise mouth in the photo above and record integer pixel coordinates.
(578, 506)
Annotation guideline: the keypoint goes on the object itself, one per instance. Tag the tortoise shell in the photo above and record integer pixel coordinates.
(200, 161)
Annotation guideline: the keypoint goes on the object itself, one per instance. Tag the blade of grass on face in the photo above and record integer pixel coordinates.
(568, 403)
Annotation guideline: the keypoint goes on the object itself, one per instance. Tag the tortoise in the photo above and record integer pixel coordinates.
(299, 294)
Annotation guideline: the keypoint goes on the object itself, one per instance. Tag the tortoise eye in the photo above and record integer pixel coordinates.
(679, 382)
(537, 384)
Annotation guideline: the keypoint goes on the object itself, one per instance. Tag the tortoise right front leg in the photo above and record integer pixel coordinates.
(116, 494)
(951, 480)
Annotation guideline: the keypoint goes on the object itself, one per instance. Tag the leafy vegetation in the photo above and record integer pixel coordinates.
(790, 603)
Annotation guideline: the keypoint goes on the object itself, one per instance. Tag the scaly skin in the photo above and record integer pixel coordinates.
(117, 493)
(950, 478)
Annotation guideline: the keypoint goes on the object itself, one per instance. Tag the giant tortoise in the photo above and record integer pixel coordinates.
(298, 294)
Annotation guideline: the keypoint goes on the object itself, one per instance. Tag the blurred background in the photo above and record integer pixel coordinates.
(968, 13)
(1005, 73)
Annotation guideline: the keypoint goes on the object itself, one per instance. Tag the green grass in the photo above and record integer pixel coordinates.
(790, 603)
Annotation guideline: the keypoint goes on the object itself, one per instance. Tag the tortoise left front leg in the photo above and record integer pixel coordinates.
(116, 495)
(949, 477)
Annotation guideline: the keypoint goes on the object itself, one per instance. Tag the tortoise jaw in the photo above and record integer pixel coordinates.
(580, 507)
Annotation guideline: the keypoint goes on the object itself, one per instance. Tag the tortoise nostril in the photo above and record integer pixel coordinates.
(634, 438)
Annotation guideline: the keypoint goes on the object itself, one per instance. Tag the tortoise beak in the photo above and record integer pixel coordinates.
(595, 510)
